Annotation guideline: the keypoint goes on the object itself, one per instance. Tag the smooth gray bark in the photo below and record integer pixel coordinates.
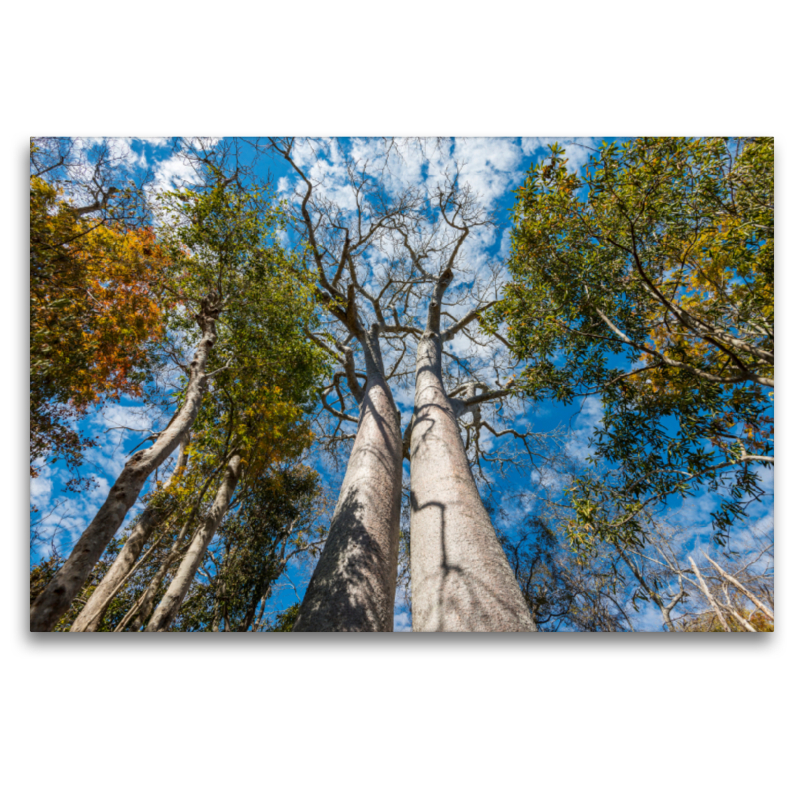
(91, 616)
(171, 602)
(141, 610)
(57, 596)
(143, 607)
(354, 583)
(460, 577)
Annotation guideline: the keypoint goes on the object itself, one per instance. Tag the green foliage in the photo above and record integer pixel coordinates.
(564, 589)
(219, 240)
(265, 370)
(275, 519)
(649, 282)
(286, 619)
(226, 240)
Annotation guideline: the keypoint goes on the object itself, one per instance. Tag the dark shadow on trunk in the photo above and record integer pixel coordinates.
(353, 585)
(463, 596)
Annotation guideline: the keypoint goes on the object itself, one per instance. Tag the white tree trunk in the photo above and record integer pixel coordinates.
(91, 616)
(353, 585)
(140, 611)
(460, 577)
(57, 596)
(171, 602)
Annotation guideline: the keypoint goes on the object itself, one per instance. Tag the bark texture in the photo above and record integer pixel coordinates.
(170, 604)
(354, 583)
(57, 596)
(91, 616)
(460, 577)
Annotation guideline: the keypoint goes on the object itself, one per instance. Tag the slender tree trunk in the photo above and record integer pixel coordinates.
(171, 602)
(57, 596)
(143, 607)
(353, 586)
(91, 617)
(460, 577)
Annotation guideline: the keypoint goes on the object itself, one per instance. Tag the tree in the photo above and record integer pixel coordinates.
(385, 257)
(274, 523)
(222, 242)
(162, 504)
(608, 586)
(565, 590)
(648, 281)
(263, 360)
(248, 442)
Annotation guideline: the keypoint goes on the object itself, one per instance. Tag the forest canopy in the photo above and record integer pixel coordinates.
(648, 281)
(378, 384)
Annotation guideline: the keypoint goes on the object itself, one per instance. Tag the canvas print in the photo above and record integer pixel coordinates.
(402, 384)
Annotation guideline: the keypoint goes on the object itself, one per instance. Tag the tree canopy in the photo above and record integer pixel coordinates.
(647, 279)
(367, 310)
(241, 398)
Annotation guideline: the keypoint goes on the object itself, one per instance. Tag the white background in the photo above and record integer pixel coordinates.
(562, 716)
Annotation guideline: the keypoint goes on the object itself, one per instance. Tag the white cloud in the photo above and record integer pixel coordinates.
(488, 165)
(41, 486)
(174, 172)
(402, 622)
(583, 427)
(577, 149)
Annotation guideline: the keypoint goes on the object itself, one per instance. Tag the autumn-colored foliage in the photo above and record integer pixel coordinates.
(95, 312)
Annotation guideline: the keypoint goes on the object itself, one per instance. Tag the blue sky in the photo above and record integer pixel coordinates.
(492, 167)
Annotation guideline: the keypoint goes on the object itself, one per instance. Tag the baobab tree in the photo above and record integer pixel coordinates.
(402, 286)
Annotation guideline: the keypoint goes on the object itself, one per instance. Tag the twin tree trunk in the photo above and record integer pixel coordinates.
(460, 577)
(58, 595)
(353, 585)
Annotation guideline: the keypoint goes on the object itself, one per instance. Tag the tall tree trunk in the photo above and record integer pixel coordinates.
(91, 617)
(140, 611)
(460, 577)
(171, 602)
(57, 596)
(353, 586)
(144, 605)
